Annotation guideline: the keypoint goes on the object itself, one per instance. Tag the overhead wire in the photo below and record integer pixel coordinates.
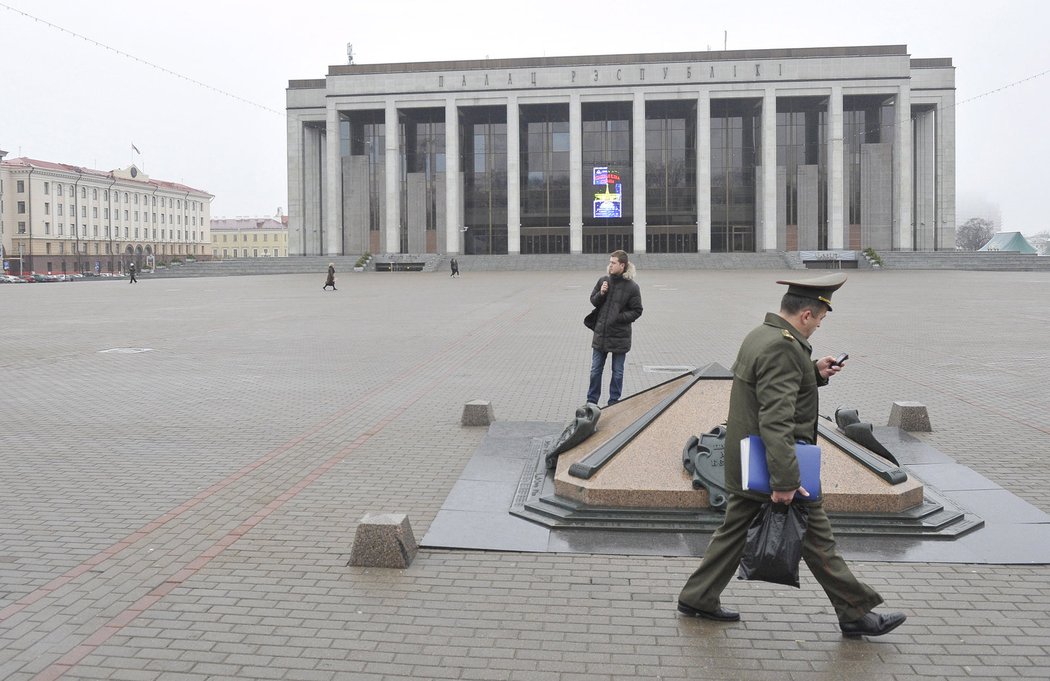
(145, 62)
(864, 132)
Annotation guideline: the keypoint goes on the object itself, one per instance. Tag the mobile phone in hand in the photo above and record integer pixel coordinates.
(840, 359)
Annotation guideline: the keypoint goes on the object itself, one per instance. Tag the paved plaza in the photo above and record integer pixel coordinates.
(187, 511)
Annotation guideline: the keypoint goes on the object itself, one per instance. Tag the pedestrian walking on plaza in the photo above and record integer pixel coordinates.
(617, 302)
(455, 268)
(132, 268)
(330, 281)
(774, 396)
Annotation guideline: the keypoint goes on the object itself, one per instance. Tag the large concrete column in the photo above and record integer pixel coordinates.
(902, 164)
(295, 185)
(513, 177)
(575, 174)
(333, 185)
(392, 231)
(767, 207)
(313, 190)
(837, 238)
(453, 202)
(945, 232)
(703, 172)
(638, 170)
(925, 186)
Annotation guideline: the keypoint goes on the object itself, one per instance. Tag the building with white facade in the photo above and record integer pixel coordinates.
(757, 150)
(249, 237)
(62, 218)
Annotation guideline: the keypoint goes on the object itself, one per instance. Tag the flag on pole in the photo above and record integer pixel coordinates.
(135, 148)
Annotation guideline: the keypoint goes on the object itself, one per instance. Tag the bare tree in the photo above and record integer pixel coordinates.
(974, 233)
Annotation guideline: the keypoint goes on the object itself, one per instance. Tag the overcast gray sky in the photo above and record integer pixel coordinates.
(66, 100)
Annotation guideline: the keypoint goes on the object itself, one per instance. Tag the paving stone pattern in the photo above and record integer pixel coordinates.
(187, 512)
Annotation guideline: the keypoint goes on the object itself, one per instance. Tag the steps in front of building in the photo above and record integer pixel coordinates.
(964, 260)
(483, 263)
(643, 261)
(254, 266)
(431, 262)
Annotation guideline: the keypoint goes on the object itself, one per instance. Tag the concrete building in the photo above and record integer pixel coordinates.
(64, 218)
(758, 150)
(249, 237)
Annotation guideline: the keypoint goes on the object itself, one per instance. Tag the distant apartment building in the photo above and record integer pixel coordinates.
(249, 237)
(63, 218)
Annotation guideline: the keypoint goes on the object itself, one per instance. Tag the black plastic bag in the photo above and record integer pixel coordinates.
(774, 545)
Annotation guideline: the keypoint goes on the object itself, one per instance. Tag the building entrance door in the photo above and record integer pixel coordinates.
(741, 239)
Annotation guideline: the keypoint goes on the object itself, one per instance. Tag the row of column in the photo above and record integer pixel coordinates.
(330, 221)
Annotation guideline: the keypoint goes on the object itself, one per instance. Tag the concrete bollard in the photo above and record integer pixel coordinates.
(478, 413)
(384, 540)
(911, 417)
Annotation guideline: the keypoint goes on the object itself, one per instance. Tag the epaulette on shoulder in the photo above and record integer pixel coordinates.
(787, 334)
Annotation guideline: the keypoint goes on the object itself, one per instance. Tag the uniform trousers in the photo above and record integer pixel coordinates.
(852, 598)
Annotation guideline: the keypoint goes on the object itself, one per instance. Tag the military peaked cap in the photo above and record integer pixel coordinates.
(818, 288)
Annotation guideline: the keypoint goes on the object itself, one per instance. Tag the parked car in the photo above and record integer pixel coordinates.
(11, 279)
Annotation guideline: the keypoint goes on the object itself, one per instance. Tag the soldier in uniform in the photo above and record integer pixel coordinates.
(774, 396)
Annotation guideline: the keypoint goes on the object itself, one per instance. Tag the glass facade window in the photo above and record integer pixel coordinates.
(866, 120)
(670, 177)
(736, 126)
(363, 133)
(801, 141)
(483, 158)
(544, 173)
(606, 143)
(422, 147)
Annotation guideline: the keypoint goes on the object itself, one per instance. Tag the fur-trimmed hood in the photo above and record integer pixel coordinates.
(629, 272)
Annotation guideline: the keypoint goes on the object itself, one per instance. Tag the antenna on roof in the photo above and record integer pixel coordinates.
(349, 53)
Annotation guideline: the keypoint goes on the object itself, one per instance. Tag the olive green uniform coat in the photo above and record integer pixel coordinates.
(774, 395)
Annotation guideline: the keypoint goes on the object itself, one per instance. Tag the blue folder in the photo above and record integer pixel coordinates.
(754, 471)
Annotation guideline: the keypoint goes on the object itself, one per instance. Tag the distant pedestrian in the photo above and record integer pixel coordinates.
(617, 302)
(131, 270)
(455, 268)
(330, 281)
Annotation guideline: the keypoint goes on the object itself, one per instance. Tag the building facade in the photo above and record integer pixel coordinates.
(249, 237)
(764, 150)
(61, 218)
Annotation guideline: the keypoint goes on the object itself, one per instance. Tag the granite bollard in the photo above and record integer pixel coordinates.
(910, 416)
(384, 540)
(478, 413)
